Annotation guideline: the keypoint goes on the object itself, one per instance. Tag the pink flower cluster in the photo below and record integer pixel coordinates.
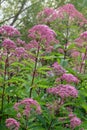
(74, 121)
(75, 54)
(18, 46)
(70, 78)
(43, 35)
(81, 40)
(64, 91)
(65, 11)
(60, 50)
(58, 69)
(8, 44)
(7, 30)
(42, 32)
(28, 104)
(12, 124)
(20, 52)
(47, 15)
(71, 11)
(20, 42)
(84, 35)
(31, 45)
(47, 12)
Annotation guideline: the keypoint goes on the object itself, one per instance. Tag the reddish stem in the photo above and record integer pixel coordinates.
(34, 71)
(81, 67)
(3, 92)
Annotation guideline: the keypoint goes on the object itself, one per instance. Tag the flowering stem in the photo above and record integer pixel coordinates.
(67, 33)
(3, 92)
(34, 71)
(82, 63)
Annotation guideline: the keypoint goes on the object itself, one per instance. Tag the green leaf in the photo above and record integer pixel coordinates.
(64, 63)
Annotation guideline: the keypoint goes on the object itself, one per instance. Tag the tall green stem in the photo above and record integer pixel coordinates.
(5, 73)
(66, 40)
(82, 63)
(34, 71)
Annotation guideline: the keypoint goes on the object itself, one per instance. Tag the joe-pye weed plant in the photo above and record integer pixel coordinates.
(43, 82)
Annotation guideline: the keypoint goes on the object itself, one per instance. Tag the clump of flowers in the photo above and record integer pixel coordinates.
(81, 43)
(8, 44)
(28, 104)
(84, 35)
(47, 15)
(58, 69)
(10, 31)
(42, 32)
(20, 42)
(60, 50)
(20, 52)
(74, 121)
(66, 11)
(70, 78)
(42, 35)
(71, 11)
(31, 45)
(81, 40)
(75, 54)
(64, 91)
(11, 123)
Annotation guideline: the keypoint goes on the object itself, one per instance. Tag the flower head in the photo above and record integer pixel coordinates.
(70, 78)
(47, 15)
(8, 44)
(75, 54)
(81, 40)
(68, 10)
(28, 104)
(42, 35)
(32, 45)
(9, 31)
(20, 52)
(58, 69)
(64, 91)
(20, 42)
(12, 124)
(74, 121)
(84, 35)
